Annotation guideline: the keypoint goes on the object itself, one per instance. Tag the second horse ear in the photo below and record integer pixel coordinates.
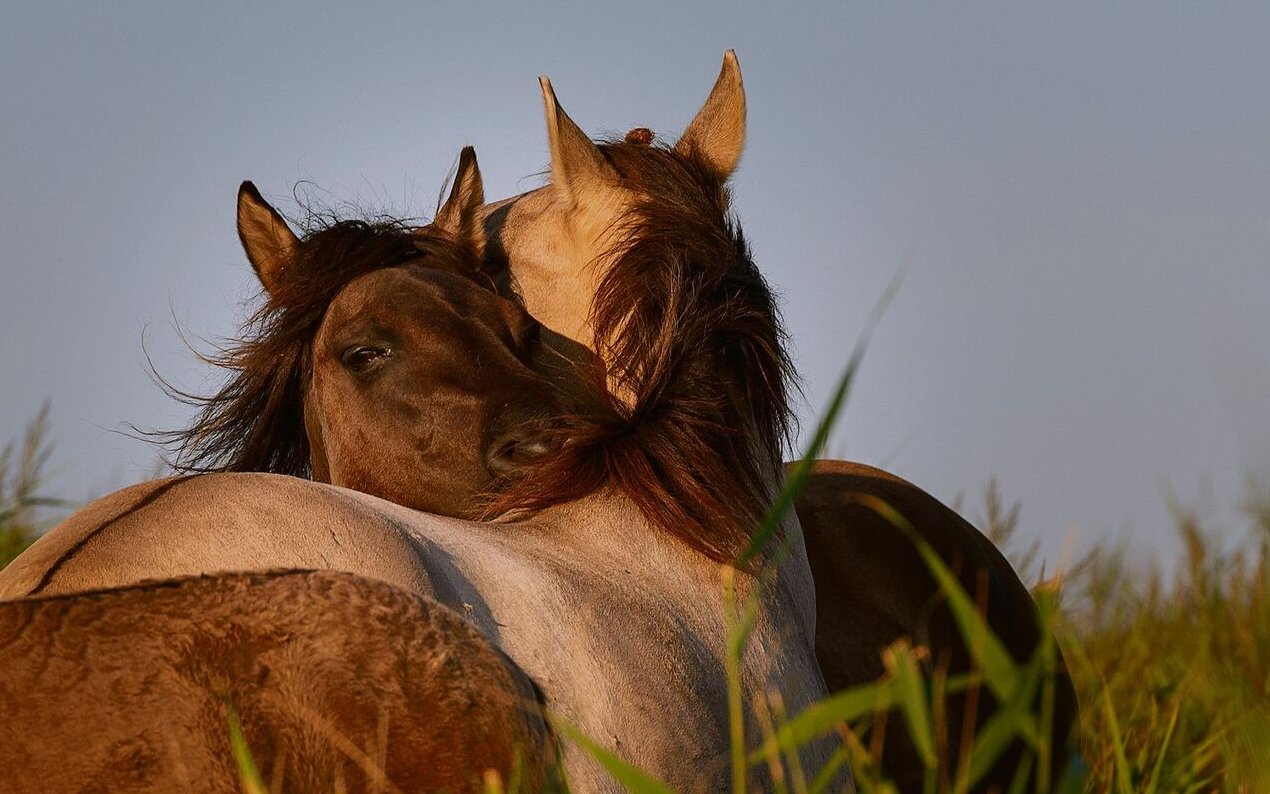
(460, 217)
(576, 162)
(267, 239)
(717, 134)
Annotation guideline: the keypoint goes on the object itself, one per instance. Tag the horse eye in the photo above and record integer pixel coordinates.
(360, 358)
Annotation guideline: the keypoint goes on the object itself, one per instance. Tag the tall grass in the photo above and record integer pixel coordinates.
(1172, 669)
(23, 468)
(1173, 666)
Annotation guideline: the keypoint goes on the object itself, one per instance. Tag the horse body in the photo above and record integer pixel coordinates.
(621, 627)
(385, 360)
(873, 588)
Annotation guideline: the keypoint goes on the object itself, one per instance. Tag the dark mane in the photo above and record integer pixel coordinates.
(690, 332)
(255, 422)
(684, 229)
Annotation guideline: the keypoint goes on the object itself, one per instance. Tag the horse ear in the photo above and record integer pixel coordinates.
(575, 159)
(265, 235)
(459, 216)
(717, 134)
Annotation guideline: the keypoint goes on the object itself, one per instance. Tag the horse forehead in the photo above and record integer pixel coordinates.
(383, 295)
(414, 300)
(396, 288)
(536, 221)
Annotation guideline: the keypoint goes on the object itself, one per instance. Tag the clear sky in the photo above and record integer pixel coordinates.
(1078, 195)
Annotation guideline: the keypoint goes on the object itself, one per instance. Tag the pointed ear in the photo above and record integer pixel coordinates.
(459, 217)
(266, 237)
(717, 134)
(576, 161)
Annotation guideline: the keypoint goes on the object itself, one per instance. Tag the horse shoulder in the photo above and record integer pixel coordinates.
(625, 629)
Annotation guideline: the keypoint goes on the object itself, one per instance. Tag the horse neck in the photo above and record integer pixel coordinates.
(608, 529)
(781, 651)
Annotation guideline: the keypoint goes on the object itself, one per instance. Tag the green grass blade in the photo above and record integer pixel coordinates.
(632, 777)
(1124, 782)
(910, 695)
(248, 775)
(1018, 784)
(999, 670)
(740, 624)
(824, 716)
(1012, 719)
(829, 773)
(1163, 750)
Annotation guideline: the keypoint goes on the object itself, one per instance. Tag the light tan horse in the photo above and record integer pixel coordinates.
(617, 619)
(602, 237)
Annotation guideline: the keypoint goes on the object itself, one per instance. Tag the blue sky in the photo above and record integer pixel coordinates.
(1077, 195)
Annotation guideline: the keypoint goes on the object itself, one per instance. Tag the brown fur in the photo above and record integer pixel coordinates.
(340, 683)
(256, 421)
(872, 589)
(450, 415)
(690, 329)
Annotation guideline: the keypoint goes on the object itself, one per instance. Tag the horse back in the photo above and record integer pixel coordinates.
(211, 523)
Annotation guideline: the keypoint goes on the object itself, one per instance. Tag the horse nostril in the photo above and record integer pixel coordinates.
(516, 452)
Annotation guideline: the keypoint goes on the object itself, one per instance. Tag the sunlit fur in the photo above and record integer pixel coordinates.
(566, 247)
(621, 625)
(688, 418)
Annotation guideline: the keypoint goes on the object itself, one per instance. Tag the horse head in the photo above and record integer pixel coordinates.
(559, 240)
(382, 359)
(632, 251)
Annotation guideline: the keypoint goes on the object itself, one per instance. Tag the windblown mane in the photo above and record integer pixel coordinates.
(689, 328)
(255, 422)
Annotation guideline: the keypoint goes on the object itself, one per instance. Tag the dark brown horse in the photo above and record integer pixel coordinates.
(339, 683)
(426, 375)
